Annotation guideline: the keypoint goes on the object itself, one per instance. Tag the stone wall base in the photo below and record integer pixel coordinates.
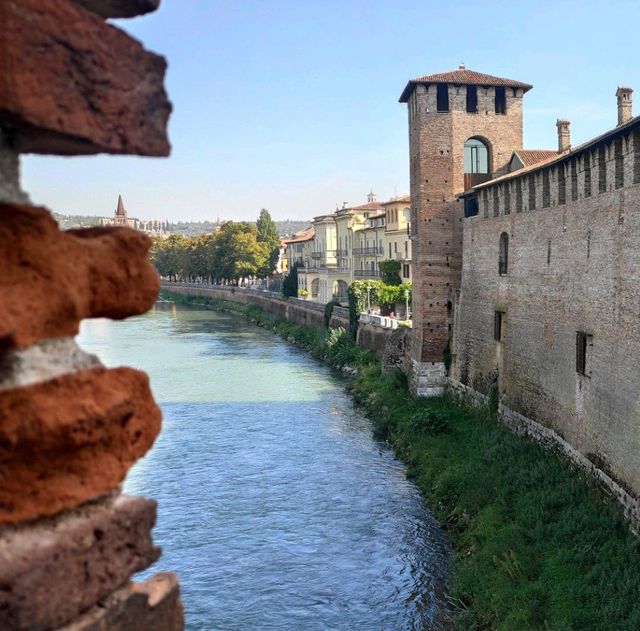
(549, 439)
(427, 379)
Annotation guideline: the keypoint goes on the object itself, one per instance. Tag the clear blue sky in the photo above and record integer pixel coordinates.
(293, 105)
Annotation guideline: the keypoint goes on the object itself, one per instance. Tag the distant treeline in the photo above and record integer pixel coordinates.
(187, 228)
(239, 250)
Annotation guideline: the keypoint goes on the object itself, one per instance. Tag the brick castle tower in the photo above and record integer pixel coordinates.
(463, 128)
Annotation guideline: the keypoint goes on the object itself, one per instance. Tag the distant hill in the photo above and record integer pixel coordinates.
(188, 228)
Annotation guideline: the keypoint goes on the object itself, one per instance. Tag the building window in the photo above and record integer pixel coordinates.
(501, 100)
(470, 206)
(546, 189)
(472, 99)
(532, 192)
(405, 270)
(602, 169)
(498, 326)
(507, 198)
(476, 156)
(584, 346)
(518, 195)
(503, 258)
(562, 186)
(619, 158)
(587, 175)
(389, 250)
(442, 97)
(574, 180)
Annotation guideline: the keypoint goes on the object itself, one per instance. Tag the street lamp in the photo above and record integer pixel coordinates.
(406, 302)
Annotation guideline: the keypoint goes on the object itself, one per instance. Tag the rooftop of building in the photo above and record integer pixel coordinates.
(304, 235)
(529, 157)
(403, 199)
(462, 76)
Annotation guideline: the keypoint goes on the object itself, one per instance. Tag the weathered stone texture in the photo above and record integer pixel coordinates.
(71, 439)
(53, 569)
(51, 280)
(10, 190)
(119, 8)
(573, 267)
(154, 605)
(43, 361)
(72, 84)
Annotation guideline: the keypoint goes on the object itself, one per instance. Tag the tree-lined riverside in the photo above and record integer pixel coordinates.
(276, 506)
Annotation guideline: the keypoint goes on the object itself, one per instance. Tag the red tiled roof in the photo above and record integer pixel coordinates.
(305, 235)
(368, 206)
(462, 76)
(404, 199)
(533, 156)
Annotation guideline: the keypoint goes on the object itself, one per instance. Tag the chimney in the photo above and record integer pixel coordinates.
(625, 110)
(564, 135)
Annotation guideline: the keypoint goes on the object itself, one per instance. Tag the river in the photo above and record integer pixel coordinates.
(277, 508)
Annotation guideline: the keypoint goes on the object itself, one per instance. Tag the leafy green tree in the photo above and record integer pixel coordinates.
(268, 235)
(267, 230)
(390, 272)
(290, 282)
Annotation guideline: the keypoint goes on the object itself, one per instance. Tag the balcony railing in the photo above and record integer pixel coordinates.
(368, 251)
(342, 252)
(366, 273)
(323, 254)
(338, 270)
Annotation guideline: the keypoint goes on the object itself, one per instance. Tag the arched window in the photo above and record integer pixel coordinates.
(503, 260)
(476, 156)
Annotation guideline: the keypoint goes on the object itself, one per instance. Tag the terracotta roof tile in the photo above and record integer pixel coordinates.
(305, 235)
(533, 156)
(404, 199)
(462, 76)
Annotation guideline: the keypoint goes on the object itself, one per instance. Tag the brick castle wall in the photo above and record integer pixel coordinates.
(573, 267)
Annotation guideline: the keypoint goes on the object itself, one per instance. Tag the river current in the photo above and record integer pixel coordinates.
(277, 508)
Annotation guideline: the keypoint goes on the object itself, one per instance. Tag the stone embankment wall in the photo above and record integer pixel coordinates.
(70, 428)
(293, 310)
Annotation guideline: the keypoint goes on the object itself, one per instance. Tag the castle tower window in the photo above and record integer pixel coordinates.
(562, 186)
(619, 157)
(475, 163)
(498, 326)
(587, 175)
(546, 189)
(532, 191)
(602, 169)
(574, 180)
(584, 345)
(518, 195)
(501, 100)
(636, 156)
(503, 258)
(442, 97)
(472, 99)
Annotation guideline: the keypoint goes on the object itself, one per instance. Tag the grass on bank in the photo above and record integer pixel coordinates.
(537, 544)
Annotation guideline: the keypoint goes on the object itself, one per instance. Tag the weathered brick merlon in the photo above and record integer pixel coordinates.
(119, 8)
(53, 569)
(71, 439)
(72, 84)
(51, 280)
(154, 604)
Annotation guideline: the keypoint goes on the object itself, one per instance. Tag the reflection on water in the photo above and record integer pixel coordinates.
(277, 508)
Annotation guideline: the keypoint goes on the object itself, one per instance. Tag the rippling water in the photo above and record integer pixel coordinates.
(277, 508)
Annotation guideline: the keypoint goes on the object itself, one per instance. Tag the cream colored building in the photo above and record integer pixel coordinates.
(349, 244)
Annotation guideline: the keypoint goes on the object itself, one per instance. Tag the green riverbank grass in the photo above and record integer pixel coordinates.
(537, 544)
